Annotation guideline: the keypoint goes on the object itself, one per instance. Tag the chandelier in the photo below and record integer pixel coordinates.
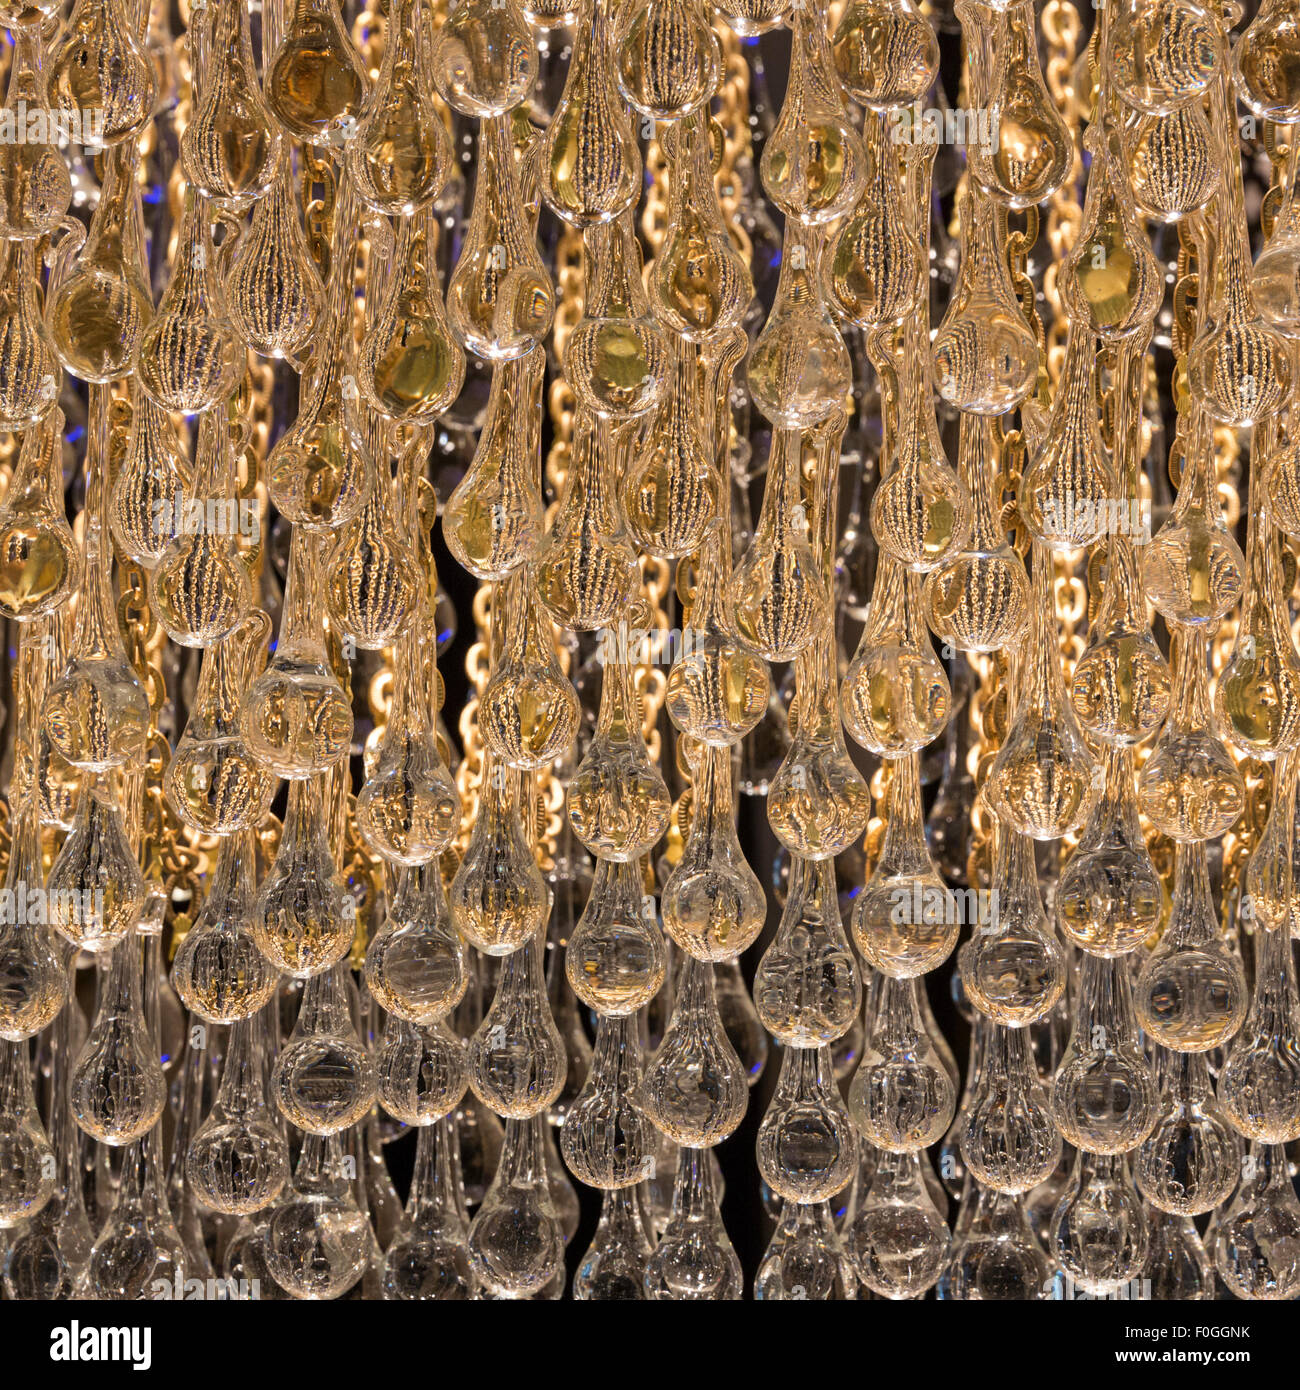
(580, 572)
